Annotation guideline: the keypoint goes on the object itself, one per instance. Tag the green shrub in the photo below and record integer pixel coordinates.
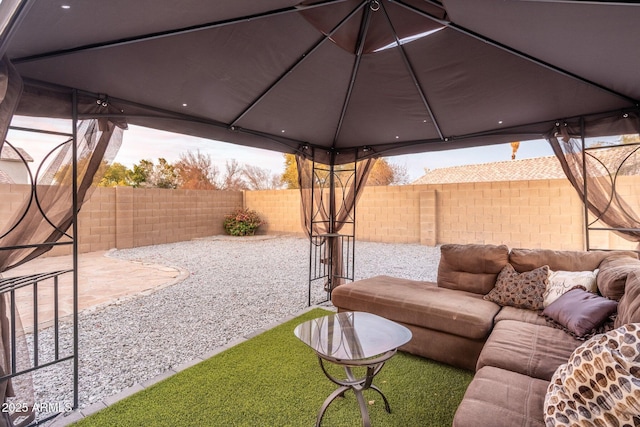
(242, 222)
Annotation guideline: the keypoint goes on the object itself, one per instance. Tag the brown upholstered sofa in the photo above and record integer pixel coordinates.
(514, 351)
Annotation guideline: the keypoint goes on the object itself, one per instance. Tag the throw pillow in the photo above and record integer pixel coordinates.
(520, 290)
(598, 386)
(580, 312)
(561, 282)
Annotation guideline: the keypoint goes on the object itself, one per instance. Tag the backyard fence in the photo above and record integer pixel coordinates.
(531, 214)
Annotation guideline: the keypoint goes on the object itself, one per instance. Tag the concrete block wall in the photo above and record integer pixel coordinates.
(531, 214)
(627, 186)
(96, 223)
(279, 208)
(125, 217)
(389, 214)
(428, 218)
(528, 214)
(166, 216)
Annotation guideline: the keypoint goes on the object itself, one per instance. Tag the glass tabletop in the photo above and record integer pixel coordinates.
(352, 335)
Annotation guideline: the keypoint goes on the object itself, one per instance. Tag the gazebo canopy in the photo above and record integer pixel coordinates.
(389, 76)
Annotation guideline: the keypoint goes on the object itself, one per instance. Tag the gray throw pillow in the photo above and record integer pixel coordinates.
(580, 312)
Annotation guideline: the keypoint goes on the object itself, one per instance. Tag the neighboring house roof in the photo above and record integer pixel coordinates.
(510, 170)
(622, 160)
(5, 178)
(10, 154)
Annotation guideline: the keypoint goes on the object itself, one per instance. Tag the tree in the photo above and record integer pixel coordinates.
(141, 173)
(258, 178)
(116, 175)
(383, 173)
(64, 176)
(196, 171)
(514, 149)
(290, 175)
(400, 174)
(164, 175)
(232, 179)
(147, 174)
(386, 173)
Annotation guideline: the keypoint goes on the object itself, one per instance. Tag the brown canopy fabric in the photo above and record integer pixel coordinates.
(398, 76)
(341, 77)
(594, 178)
(42, 220)
(326, 208)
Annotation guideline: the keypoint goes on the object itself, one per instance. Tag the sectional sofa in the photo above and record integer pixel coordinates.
(517, 318)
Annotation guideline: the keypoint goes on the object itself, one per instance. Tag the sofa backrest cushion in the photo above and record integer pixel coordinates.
(529, 259)
(472, 268)
(629, 305)
(613, 273)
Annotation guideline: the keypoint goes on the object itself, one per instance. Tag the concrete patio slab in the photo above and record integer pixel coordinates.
(102, 280)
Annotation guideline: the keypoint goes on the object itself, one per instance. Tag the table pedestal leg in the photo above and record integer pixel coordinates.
(338, 393)
(358, 385)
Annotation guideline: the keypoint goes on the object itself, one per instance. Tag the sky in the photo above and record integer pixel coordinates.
(143, 143)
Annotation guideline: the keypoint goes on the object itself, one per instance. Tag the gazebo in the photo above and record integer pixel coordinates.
(336, 82)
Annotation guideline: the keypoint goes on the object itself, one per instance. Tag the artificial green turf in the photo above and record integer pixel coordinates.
(274, 379)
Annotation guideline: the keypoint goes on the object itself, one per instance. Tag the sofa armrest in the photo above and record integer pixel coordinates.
(612, 275)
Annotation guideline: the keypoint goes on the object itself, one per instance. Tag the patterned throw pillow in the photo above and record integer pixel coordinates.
(600, 383)
(520, 290)
(563, 281)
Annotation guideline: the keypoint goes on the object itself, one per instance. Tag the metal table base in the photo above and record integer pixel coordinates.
(358, 385)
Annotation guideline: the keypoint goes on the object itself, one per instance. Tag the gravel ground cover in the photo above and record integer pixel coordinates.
(235, 287)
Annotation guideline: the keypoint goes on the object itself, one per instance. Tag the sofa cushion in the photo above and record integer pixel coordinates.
(472, 268)
(613, 273)
(521, 290)
(521, 315)
(452, 350)
(420, 304)
(600, 383)
(528, 349)
(580, 312)
(500, 398)
(629, 305)
(528, 259)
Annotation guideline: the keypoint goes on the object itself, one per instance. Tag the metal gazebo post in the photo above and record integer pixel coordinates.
(75, 247)
(332, 223)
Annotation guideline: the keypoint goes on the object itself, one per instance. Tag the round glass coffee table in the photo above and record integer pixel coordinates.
(353, 340)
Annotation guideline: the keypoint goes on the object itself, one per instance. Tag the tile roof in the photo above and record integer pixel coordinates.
(9, 153)
(623, 160)
(510, 170)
